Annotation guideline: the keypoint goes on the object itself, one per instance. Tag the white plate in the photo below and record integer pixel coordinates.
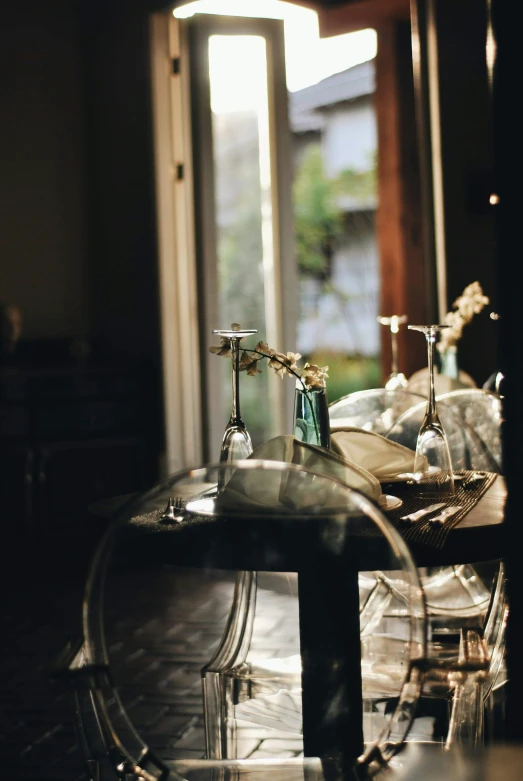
(406, 476)
(388, 502)
(203, 506)
(206, 505)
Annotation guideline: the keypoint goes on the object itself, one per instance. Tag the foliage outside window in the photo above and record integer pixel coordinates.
(321, 227)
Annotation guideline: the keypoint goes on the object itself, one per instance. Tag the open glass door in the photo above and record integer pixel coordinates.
(272, 175)
(242, 172)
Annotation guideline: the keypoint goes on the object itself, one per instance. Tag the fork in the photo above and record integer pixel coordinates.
(474, 479)
(174, 511)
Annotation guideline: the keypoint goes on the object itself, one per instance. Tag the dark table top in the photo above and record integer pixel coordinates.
(267, 544)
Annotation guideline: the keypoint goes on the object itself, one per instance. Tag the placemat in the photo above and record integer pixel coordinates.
(423, 531)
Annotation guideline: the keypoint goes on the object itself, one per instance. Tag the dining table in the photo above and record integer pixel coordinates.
(328, 589)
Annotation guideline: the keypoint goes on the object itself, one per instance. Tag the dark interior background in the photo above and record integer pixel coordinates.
(78, 255)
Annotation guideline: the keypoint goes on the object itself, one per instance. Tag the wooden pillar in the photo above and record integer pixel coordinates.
(404, 280)
(465, 118)
(508, 160)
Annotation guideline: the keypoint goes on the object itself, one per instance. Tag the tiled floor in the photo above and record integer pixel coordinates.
(162, 626)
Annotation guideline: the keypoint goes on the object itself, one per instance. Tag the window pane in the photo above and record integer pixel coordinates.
(334, 130)
(243, 202)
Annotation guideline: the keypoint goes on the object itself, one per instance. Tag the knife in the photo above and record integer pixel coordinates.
(412, 517)
(444, 514)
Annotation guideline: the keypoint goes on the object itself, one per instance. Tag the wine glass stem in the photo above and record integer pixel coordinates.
(394, 343)
(431, 404)
(235, 405)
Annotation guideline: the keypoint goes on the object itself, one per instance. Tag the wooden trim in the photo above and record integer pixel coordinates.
(399, 218)
(360, 15)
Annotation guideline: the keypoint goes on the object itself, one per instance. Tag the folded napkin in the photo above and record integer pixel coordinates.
(384, 459)
(285, 491)
(326, 462)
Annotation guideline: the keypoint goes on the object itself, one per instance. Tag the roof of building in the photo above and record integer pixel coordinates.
(355, 82)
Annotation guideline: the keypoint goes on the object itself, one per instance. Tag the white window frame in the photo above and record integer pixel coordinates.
(182, 124)
(176, 253)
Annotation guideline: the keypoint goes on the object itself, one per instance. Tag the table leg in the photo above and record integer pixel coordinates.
(331, 663)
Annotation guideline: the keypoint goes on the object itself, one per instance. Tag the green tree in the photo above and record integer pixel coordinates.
(318, 221)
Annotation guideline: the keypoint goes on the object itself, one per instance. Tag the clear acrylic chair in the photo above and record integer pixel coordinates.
(375, 409)
(464, 670)
(472, 423)
(466, 595)
(418, 382)
(271, 507)
(469, 448)
(450, 591)
(481, 411)
(458, 595)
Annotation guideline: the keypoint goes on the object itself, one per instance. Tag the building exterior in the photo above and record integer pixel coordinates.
(338, 309)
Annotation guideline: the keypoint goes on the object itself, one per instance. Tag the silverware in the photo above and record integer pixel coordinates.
(474, 478)
(413, 517)
(174, 511)
(448, 512)
(413, 477)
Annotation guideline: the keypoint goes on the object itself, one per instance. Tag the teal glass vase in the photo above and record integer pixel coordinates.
(448, 362)
(311, 416)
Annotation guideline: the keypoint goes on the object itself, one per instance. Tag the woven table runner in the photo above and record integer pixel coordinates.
(423, 531)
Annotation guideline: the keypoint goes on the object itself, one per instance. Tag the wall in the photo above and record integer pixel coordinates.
(43, 250)
(467, 161)
(123, 268)
(350, 137)
(77, 218)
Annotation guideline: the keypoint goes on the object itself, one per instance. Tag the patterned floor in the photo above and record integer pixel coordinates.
(162, 626)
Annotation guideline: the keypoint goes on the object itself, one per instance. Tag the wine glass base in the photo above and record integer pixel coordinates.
(229, 334)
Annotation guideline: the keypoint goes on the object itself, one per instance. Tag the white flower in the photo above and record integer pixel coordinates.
(468, 304)
(311, 376)
(314, 376)
(277, 362)
(223, 349)
(292, 359)
(249, 363)
(263, 347)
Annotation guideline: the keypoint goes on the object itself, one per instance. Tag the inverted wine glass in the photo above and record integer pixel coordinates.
(236, 442)
(396, 378)
(432, 463)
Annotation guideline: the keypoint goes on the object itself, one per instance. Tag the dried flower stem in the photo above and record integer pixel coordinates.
(289, 370)
(311, 376)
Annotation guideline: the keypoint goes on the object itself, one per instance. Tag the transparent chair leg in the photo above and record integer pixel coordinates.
(375, 605)
(232, 652)
(495, 714)
(467, 709)
(90, 734)
(466, 725)
(91, 739)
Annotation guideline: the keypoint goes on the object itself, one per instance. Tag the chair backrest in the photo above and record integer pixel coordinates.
(481, 411)
(468, 449)
(375, 409)
(284, 494)
(419, 382)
